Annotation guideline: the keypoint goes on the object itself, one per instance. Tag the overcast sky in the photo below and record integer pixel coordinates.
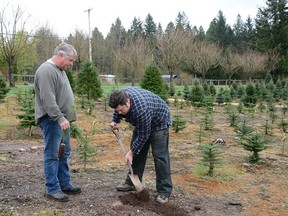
(64, 16)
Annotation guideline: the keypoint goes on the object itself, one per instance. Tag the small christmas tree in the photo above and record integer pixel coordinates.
(3, 87)
(211, 157)
(254, 143)
(153, 82)
(27, 118)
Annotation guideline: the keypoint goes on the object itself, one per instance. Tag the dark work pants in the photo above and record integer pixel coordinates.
(159, 141)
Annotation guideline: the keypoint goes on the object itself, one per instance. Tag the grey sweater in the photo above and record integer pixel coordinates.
(53, 94)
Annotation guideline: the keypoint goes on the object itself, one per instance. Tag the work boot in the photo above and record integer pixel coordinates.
(125, 187)
(71, 190)
(58, 196)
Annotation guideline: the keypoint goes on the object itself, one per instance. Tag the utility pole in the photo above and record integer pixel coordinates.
(89, 37)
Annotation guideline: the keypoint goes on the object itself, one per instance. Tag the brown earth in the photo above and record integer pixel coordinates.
(237, 188)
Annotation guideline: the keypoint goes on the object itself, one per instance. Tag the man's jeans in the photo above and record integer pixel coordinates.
(159, 141)
(56, 170)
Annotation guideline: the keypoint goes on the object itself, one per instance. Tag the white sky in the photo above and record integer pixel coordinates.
(64, 16)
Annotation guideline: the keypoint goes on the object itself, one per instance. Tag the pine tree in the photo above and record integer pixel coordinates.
(86, 150)
(3, 87)
(178, 123)
(27, 118)
(69, 74)
(250, 97)
(197, 94)
(243, 129)
(211, 157)
(88, 86)
(254, 143)
(88, 82)
(153, 82)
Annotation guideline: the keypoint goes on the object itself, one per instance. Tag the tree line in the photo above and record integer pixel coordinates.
(248, 49)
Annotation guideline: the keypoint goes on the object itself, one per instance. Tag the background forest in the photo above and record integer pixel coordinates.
(250, 48)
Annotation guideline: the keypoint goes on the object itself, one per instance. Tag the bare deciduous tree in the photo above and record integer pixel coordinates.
(14, 40)
(45, 41)
(230, 63)
(273, 59)
(134, 58)
(80, 42)
(253, 62)
(202, 56)
(171, 50)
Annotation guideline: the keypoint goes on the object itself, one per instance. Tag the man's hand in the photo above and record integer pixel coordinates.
(65, 124)
(114, 126)
(129, 157)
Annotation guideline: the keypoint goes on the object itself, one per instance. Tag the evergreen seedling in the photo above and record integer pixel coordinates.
(86, 150)
(233, 118)
(207, 120)
(3, 87)
(178, 123)
(27, 117)
(211, 157)
(267, 128)
(283, 125)
(255, 144)
(243, 129)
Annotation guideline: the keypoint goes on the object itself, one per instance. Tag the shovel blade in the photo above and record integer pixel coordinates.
(136, 182)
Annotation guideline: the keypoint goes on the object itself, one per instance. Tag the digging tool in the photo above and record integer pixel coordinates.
(134, 178)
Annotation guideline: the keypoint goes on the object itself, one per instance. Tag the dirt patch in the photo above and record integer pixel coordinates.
(236, 189)
(136, 200)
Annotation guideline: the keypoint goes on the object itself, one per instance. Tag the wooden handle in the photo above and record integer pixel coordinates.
(116, 133)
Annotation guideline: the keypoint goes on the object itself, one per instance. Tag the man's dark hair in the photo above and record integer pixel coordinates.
(118, 97)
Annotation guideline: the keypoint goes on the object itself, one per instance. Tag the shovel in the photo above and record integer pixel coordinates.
(134, 178)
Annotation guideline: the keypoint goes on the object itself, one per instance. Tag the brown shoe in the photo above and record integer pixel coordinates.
(125, 187)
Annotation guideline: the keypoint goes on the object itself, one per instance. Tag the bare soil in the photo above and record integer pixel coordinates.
(237, 187)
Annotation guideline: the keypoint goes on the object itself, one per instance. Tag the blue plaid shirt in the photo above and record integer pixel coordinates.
(148, 112)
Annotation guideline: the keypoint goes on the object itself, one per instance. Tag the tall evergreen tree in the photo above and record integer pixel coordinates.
(249, 34)
(238, 30)
(99, 51)
(272, 26)
(136, 28)
(199, 33)
(272, 31)
(150, 32)
(150, 27)
(115, 39)
(182, 21)
(219, 31)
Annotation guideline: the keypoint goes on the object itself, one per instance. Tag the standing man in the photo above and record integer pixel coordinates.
(150, 116)
(54, 111)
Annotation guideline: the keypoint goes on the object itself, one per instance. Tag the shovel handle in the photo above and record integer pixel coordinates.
(116, 133)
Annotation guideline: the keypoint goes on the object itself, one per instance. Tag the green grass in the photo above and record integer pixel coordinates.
(3, 123)
(107, 88)
(199, 170)
(18, 88)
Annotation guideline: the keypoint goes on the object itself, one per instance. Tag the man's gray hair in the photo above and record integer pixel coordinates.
(65, 49)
